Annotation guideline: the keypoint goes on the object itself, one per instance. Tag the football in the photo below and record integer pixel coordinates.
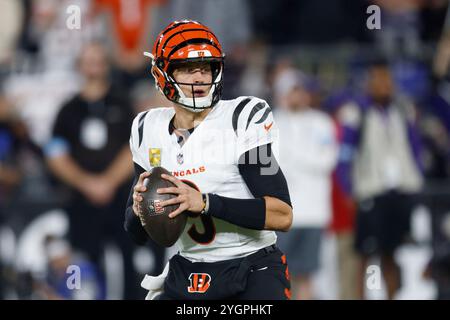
(155, 219)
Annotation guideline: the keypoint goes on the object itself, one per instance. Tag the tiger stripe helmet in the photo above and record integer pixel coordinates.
(185, 41)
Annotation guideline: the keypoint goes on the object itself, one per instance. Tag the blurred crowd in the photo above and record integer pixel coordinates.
(364, 119)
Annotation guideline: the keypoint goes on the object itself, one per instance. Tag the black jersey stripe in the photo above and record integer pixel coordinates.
(255, 109)
(265, 115)
(141, 127)
(238, 111)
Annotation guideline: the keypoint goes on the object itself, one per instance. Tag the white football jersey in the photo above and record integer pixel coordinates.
(209, 161)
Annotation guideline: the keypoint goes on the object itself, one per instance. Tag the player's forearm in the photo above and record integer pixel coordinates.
(133, 226)
(266, 213)
(132, 223)
(247, 213)
(121, 168)
(67, 170)
(278, 215)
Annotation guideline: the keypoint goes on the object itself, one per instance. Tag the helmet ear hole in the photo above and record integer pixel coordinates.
(160, 63)
(166, 90)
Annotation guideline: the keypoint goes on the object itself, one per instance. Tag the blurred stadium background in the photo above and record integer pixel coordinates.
(269, 46)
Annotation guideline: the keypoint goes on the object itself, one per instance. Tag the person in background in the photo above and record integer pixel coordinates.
(69, 276)
(386, 173)
(89, 153)
(308, 152)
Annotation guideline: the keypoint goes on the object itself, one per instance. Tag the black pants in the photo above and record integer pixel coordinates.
(263, 275)
(383, 223)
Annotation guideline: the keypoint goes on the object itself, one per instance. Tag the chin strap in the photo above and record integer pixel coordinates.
(196, 104)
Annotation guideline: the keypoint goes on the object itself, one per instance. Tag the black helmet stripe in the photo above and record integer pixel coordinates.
(191, 41)
(171, 28)
(178, 32)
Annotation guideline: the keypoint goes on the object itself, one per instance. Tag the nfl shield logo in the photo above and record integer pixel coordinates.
(180, 159)
(154, 157)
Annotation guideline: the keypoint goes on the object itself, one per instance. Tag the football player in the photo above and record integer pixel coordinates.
(222, 157)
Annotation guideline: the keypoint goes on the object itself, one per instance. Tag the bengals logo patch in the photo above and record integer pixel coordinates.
(200, 282)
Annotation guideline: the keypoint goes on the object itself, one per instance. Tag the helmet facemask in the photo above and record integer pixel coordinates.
(174, 92)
